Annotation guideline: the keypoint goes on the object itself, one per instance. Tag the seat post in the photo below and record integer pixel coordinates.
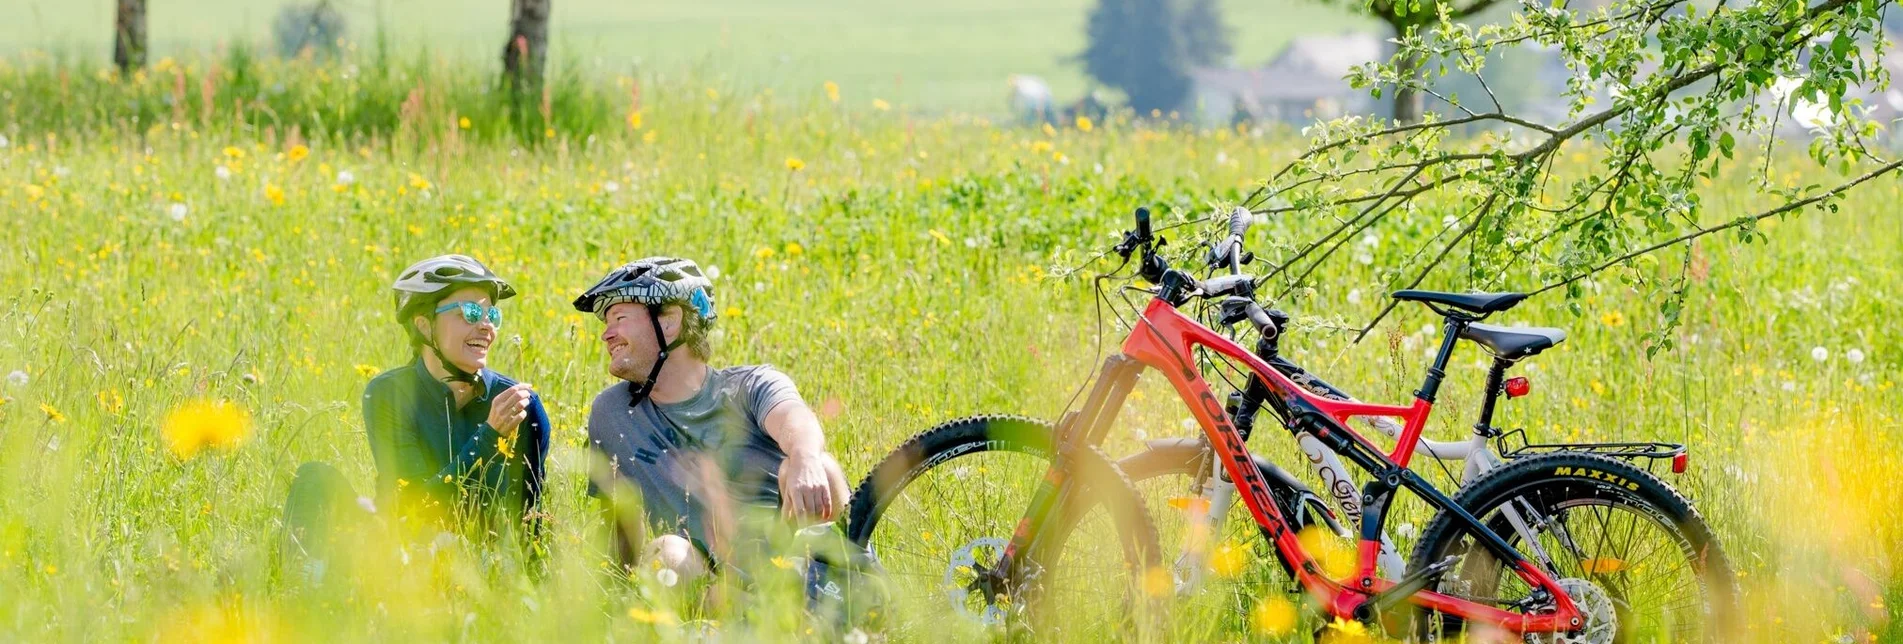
(1438, 371)
(1495, 377)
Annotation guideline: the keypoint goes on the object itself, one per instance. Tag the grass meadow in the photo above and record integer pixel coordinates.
(899, 267)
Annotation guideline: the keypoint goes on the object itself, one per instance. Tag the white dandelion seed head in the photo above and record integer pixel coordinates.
(1097, 167)
(4, 142)
(1819, 354)
(971, 242)
(610, 187)
(61, 171)
(713, 272)
(1364, 259)
(1371, 240)
(667, 577)
(178, 211)
(1790, 386)
(344, 177)
(1354, 296)
(1855, 356)
(856, 637)
(17, 378)
(224, 173)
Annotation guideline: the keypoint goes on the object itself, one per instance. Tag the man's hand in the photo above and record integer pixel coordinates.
(812, 486)
(509, 408)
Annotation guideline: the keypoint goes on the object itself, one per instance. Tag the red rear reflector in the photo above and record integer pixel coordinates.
(1518, 386)
(1680, 462)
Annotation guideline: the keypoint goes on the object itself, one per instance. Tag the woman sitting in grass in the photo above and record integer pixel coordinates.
(454, 442)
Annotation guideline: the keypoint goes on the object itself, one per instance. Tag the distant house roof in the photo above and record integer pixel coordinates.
(1329, 56)
(1309, 69)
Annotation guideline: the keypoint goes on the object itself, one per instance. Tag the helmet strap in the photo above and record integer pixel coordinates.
(456, 374)
(642, 389)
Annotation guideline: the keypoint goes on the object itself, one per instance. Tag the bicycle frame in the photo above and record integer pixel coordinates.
(1163, 339)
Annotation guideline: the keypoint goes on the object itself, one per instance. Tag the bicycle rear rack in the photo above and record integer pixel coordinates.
(1653, 453)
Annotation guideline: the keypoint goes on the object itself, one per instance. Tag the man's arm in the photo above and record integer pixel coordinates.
(811, 481)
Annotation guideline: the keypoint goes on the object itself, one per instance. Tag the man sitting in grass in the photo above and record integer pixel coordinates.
(710, 450)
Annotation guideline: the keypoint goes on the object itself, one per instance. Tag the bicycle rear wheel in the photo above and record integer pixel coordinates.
(1631, 552)
(937, 513)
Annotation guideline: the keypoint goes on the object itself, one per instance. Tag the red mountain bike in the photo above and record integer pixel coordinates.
(1564, 546)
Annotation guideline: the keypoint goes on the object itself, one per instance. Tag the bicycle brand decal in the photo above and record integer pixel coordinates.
(1596, 475)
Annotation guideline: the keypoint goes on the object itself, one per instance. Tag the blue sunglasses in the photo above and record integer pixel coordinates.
(473, 313)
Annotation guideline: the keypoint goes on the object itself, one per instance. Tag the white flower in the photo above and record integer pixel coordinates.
(1095, 166)
(1354, 296)
(17, 378)
(1790, 386)
(178, 211)
(365, 502)
(1189, 424)
(4, 142)
(1406, 530)
(1364, 259)
(1371, 240)
(713, 272)
(1221, 157)
(856, 637)
(61, 171)
(1819, 354)
(344, 177)
(667, 577)
(224, 173)
(1855, 356)
(610, 187)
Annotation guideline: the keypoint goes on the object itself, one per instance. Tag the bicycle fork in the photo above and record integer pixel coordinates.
(1082, 429)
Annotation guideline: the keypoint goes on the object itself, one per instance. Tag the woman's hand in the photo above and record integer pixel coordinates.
(509, 408)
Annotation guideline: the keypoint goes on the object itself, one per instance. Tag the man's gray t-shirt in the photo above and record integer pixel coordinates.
(653, 444)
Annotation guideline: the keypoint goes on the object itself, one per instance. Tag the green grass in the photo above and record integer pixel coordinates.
(928, 55)
(898, 275)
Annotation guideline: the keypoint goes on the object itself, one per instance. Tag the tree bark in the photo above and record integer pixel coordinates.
(128, 41)
(1407, 99)
(526, 54)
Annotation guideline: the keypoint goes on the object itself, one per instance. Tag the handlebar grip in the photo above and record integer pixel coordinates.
(1239, 220)
(1143, 223)
(1262, 321)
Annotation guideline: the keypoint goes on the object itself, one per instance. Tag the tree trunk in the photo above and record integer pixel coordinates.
(128, 41)
(526, 54)
(1407, 99)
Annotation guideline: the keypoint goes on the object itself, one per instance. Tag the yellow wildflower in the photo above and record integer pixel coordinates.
(832, 91)
(297, 153)
(274, 194)
(880, 104)
(1084, 124)
(645, 616)
(111, 401)
(418, 182)
(1157, 582)
(1613, 319)
(366, 371)
(463, 122)
(1228, 560)
(794, 164)
(548, 133)
(763, 252)
(52, 413)
(1273, 616)
(199, 424)
(794, 249)
(634, 120)
(234, 152)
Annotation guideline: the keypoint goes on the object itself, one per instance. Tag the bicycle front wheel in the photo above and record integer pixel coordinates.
(938, 512)
(1632, 553)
